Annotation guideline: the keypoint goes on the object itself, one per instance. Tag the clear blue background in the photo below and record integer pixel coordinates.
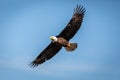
(25, 27)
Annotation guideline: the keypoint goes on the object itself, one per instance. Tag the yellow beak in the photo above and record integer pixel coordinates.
(51, 37)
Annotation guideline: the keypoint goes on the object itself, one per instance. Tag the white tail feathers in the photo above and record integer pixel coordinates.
(71, 47)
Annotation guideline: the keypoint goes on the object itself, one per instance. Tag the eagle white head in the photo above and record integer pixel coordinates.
(53, 38)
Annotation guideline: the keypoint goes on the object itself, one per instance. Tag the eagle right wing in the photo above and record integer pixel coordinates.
(46, 54)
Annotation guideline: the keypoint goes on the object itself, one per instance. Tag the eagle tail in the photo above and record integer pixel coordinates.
(71, 47)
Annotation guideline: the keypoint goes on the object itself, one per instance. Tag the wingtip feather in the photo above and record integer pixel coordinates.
(33, 65)
(79, 9)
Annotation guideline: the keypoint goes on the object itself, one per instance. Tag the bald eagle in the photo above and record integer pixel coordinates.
(62, 40)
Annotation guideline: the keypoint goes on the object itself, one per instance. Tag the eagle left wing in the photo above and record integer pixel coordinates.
(75, 23)
(46, 54)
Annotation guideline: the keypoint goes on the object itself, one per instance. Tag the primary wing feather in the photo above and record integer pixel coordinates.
(72, 27)
(46, 54)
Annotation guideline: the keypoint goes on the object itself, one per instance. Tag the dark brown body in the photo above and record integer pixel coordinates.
(63, 42)
(67, 45)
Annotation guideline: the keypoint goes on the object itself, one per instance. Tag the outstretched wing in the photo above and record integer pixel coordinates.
(72, 27)
(46, 54)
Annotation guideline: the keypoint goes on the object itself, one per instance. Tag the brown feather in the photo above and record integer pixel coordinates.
(75, 23)
(46, 54)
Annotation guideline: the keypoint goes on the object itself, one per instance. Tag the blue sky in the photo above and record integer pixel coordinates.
(25, 27)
